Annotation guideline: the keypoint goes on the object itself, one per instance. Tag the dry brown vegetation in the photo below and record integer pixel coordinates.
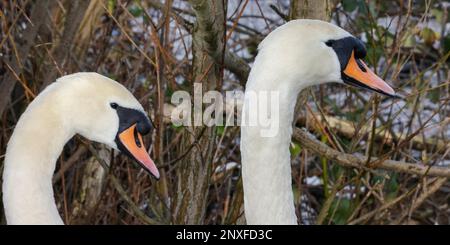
(353, 171)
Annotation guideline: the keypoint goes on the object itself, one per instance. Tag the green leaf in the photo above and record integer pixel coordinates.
(354, 115)
(374, 54)
(177, 128)
(135, 10)
(295, 149)
(296, 192)
(445, 45)
(438, 13)
(220, 130)
(372, 9)
(409, 41)
(349, 5)
(428, 36)
(111, 5)
(392, 187)
(112, 76)
(343, 210)
(434, 95)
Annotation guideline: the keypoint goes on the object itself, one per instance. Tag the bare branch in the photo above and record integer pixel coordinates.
(25, 43)
(61, 52)
(351, 160)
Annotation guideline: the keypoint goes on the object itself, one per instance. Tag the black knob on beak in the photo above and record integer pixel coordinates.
(144, 126)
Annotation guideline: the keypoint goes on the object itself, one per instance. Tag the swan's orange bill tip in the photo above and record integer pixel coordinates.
(132, 140)
(364, 77)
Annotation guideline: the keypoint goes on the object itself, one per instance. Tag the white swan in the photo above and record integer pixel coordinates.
(88, 104)
(294, 56)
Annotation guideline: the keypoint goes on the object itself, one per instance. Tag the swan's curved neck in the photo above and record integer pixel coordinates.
(266, 168)
(30, 160)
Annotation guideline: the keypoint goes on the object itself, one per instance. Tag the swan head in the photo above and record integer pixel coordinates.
(308, 52)
(104, 111)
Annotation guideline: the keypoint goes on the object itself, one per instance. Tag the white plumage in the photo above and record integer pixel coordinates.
(290, 58)
(74, 104)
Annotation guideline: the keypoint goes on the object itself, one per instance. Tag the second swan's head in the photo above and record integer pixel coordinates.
(104, 111)
(308, 52)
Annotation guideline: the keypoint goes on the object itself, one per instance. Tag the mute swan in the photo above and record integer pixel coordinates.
(296, 55)
(88, 104)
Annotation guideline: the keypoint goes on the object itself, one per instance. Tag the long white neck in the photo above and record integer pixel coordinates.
(266, 168)
(30, 161)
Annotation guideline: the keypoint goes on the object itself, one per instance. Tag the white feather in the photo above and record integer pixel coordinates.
(74, 104)
(290, 58)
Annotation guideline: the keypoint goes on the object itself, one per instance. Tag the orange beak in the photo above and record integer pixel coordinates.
(132, 141)
(357, 73)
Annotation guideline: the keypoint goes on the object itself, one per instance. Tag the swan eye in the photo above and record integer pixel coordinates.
(114, 105)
